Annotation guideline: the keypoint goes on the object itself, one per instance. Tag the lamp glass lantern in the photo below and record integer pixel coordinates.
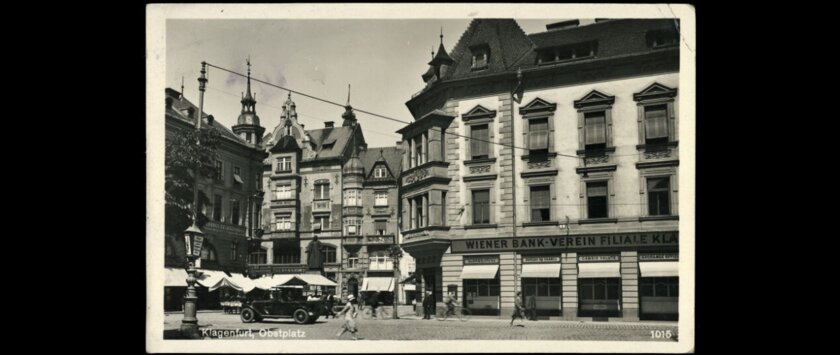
(194, 240)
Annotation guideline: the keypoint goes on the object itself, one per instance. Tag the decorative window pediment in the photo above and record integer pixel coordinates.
(538, 105)
(477, 113)
(655, 91)
(594, 98)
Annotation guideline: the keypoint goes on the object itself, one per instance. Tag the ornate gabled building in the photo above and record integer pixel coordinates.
(326, 183)
(548, 163)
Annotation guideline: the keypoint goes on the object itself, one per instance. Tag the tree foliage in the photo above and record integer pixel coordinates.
(182, 157)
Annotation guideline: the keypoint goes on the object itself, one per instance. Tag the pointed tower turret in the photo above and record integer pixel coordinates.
(442, 58)
(248, 124)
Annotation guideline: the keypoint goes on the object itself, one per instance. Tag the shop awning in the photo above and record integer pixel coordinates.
(479, 272)
(594, 270)
(267, 282)
(541, 270)
(315, 280)
(225, 282)
(174, 277)
(209, 278)
(659, 268)
(243, 282)
(378, 284)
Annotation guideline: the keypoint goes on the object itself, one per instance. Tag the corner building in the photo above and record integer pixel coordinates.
(548, 163)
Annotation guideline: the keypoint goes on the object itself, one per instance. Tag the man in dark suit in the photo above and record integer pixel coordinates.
(428, 303)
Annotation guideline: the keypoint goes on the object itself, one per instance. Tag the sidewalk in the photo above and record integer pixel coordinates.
(482, 318)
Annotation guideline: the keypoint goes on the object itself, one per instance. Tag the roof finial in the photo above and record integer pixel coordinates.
(248, 60)
(441, 34)
(433, 52)
(182, 87)
(348, 95)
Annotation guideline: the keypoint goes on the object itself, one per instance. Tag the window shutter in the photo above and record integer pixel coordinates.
(550, 120)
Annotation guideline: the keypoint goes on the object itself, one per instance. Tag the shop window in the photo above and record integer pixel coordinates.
(286, 255)
(208, 252)
(659, 287)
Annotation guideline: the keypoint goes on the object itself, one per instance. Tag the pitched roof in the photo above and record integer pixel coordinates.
(339, 136)
(392, 156)
(505, 39)
(179, 105)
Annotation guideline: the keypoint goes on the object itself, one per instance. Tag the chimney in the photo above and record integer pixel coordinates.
(210, 120)
(562, 25)
(329, 124)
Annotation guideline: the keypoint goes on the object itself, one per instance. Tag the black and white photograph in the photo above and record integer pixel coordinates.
(422, 178)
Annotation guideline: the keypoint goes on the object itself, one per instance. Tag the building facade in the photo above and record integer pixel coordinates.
(548, 164)
(233, 193)
(327, 183)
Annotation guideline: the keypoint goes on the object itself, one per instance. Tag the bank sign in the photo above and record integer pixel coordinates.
(624, 240)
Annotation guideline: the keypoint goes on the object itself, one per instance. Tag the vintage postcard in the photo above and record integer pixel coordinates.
(365, 178)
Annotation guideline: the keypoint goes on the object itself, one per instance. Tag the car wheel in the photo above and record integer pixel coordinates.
(301, 316)
(248, 315)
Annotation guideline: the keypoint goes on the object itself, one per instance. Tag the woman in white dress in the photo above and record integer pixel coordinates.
(349, 311)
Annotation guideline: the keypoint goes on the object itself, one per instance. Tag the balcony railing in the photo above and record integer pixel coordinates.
(380, 239)
(388, 265)
(354, 240)
(321, 206)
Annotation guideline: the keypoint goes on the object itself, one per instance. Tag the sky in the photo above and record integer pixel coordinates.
(382, 60)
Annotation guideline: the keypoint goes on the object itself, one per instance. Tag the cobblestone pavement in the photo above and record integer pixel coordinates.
(413, 328)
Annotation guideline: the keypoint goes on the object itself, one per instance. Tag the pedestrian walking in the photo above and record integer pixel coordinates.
(428, 303)
(330, 302)
(349, 311)
(531, 307)
(517, 311)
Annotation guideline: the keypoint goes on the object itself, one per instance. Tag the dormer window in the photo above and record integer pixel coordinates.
(328, 146)
(188, 112)
(569, 52)
(380, 172)
(480, 57)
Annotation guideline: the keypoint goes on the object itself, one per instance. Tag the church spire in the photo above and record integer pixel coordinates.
(248, 124)
(348, 115)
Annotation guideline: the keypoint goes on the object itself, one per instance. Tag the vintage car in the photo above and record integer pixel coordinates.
(298, 308)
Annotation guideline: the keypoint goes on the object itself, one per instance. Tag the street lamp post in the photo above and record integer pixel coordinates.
(396, 254)
(193, 237)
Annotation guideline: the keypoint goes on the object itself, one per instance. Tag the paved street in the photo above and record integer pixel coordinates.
(413, 328)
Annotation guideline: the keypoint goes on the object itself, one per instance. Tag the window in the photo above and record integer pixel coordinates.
(380, 198)
(352, 262)
(538, 137)
(600, 289)
(286, 255)
(352, 198)
(219, 170)
(380, 260)
(443, 208)
(482, 287)
(258, 257)
(596, 130)
(328, 146)
(659, 287)
(329, 254)
(352, 227)
(282, 192)
(541, 287)
(236, 177)
(481, 206)
(596, 195)
(659, 201)
(208, 252)
(418, 215)
(380, 172)
(379, 227)
(234, 249)
(419, 152)
(574, 51)
(322, 191)
(322, 222)
(540, 203)
(283, 221)
(284, 164)
(479, 141)
(480, 57)
(656, 124)
(217, 208)
(234, 212)
(248, 136)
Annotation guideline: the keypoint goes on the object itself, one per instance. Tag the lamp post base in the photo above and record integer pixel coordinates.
(190, 331)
